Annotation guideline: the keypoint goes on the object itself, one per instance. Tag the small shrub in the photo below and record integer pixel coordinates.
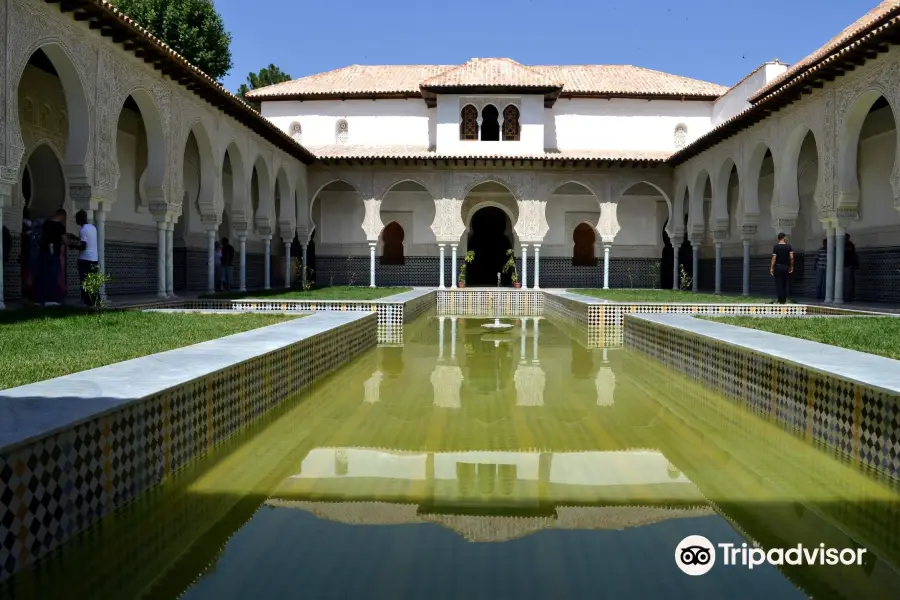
(93, 287)
(685, 280)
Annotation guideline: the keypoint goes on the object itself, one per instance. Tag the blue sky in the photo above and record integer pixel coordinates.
(715, 40)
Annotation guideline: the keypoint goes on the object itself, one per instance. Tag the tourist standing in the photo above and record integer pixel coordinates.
(227, 263)
(851, 264)
(218, 266)
(87, 260)
(51, 287)
(821, 269)
(782, 266)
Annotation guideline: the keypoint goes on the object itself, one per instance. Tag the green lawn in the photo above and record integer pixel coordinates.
(668, 296)
(343, 292)
(37, 345)
(875, 335)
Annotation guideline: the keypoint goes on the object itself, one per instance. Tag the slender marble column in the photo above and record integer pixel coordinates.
(534, 346)
(267, 275)
(453, 283)
(829, 264)
(605, 266)
(840, 236)
(441, 338)
(170, 260)
(100, 224)
(453, 338)
(2, 263)
(537, 267)
(243, 243)
(211, 260)
(287, 265)
(524, 266)
(718, 267)
(161, 259)
(371, 264)
(441, 248)
(676, 272)
(745, 286)
(695, 258)
(303, 274)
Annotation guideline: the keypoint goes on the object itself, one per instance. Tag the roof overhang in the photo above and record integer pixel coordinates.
(111, 23)
(476, 162)
(550, 93)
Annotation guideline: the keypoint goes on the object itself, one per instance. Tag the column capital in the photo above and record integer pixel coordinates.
(266, 238)
(242, 237)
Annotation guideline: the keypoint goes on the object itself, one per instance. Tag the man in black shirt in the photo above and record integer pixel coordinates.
(782, 266)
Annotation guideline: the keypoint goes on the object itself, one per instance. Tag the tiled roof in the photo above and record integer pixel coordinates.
(336, 152)
(380, 80)
(884, 11)
(491, 72)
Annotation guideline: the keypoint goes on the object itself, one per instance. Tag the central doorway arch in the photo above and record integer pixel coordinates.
(490, 237)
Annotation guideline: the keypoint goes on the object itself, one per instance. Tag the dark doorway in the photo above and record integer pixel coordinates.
(490, 124)
(311, 256)
(490, 241)
(583, 249)
(392, 251)
(668, 260)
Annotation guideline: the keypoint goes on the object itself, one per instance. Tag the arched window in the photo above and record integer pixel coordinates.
(392, 236)
(680, 136)
(295, 131)
(490, 124)
(510, 124)
(341, 132)
(583, 251)
(468, 124)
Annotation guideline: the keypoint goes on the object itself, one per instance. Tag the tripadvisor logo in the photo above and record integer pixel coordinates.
(696, 555)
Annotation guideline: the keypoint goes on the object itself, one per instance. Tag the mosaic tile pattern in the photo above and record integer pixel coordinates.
(859, 423)
(53, 488)
(476, 302)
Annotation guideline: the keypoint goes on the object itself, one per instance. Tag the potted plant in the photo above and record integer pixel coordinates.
(468, 258)
(510, 267)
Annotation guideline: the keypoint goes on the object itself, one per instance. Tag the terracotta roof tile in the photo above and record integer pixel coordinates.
(884, 11)
(418, 152)
(491, 72)
(376, 80)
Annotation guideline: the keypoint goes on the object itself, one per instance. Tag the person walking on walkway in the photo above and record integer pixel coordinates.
(782, 266)
(821, 269)
(86, 242)
(227, 263)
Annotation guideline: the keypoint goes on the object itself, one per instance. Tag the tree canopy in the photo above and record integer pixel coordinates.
(266, 76)
(193, 28)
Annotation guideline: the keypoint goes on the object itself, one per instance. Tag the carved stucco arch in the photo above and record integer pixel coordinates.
(384, 183)
(617, 191)
(848, 132)
(26, 157)
(749, 179)
(696, 219)
(210, 199)
(507, 210)
(154, 179)
(371, 224)
(721, 215)
(287, 208)
(464, 183)
(676, 222)
(265, 181)
(78, 90)
(789, 194)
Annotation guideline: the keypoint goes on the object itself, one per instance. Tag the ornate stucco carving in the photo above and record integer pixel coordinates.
(608, 226)
(383, 181)
(448, 225)
(531, 227)
(372, 224)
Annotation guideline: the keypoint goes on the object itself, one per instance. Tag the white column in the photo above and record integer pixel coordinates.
(676, 272)
(303, 275)
(745, 286)
(718, 267)
(524, 266)
(453, 338)
(453, 283)
(372, 264)
(267, 274)
(829, 265)
(537, 267)
(161, 259)
(170, 259)
(839, 238)
(605, 266)
(534, 346)
(695, 262)
(211, 260)
(242, 239)
(440, 338)
(100, 224)
(441, 248)
(287, 265)
(523, 335)
(2, 260)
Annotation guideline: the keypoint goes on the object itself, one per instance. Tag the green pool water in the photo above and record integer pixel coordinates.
(470, 464)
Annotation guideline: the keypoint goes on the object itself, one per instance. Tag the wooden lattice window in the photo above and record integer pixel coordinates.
(392, 236)
(583, 252)
(468, 125)
(510, 124)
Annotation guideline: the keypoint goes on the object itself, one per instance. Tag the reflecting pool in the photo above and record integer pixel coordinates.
(471, 464)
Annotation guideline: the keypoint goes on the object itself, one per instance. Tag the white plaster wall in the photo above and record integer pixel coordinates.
(564, 213)
(386, 122)
(531, 122)
(735, 101)
(623, 124)
(879, 221)
(338, 217)
(414, 211)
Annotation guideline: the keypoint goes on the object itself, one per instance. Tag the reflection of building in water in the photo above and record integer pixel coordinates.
(530, 379)
(569, 490)
(447, 381)
(606, 386)
(372, 387)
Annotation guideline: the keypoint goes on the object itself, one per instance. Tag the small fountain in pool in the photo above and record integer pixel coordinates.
(497, 326)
